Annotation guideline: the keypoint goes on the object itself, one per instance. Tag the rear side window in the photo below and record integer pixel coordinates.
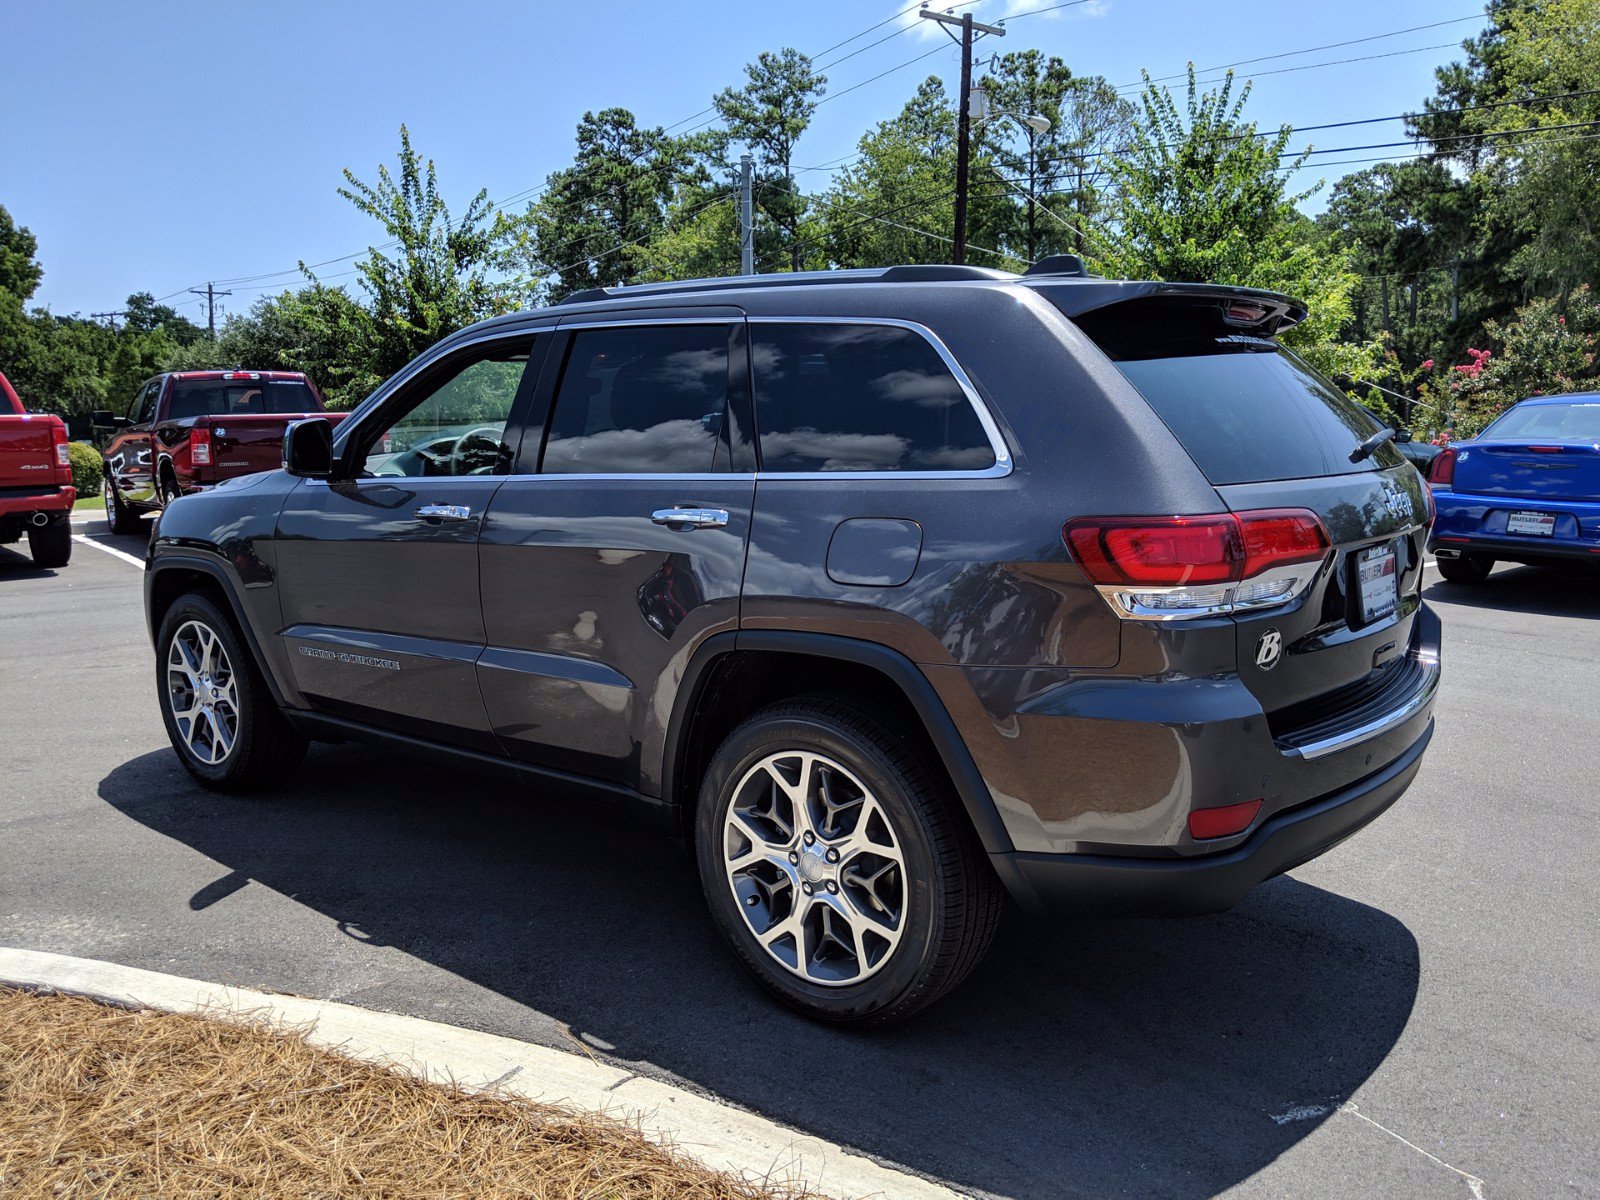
(860, 398)
(227, 398)
(1245, 409)
(641, 400)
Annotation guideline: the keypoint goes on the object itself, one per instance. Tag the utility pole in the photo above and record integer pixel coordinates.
(963, 133)
(111, 318)
(211, 294)
(1455, 290)
(747, 217)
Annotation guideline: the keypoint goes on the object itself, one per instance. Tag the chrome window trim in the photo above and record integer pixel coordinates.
(1002, 465)
(630, 321)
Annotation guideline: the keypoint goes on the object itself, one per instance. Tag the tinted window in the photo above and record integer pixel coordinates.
(222, 398)
(453, 422)
(641, 400)
(1579, 421)
(860, 398)
(143, 409)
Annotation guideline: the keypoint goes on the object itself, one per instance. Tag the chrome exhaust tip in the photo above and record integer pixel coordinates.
(39, 520)
(1446, 552)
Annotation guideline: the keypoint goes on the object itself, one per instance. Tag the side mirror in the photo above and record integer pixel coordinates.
(1402, 435)
(106, 419)
(308, 448)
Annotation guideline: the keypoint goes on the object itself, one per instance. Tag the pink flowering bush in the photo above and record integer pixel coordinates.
(1542, 351)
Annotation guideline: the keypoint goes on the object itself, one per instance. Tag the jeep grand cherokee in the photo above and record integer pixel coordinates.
(893, 592)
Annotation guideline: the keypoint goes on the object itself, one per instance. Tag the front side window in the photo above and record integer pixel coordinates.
(455, 422)
(640, 400)
(143, 409)
(860, 398)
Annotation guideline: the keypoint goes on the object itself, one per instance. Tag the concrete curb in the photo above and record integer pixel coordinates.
(719, 1135)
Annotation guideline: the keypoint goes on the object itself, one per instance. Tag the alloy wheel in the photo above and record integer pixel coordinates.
(202, 692)
(815, 868)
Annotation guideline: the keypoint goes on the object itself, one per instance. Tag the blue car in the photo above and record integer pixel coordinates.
(1525, 490)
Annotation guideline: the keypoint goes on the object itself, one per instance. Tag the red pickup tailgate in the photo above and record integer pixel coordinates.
(243, 445)
(27, 452)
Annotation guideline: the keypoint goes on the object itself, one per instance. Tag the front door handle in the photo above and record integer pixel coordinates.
(691, 518)
(444, 512)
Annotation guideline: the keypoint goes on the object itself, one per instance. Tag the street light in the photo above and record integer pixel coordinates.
(978, 106)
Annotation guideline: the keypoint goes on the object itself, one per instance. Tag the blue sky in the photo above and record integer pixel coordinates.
(159, 145)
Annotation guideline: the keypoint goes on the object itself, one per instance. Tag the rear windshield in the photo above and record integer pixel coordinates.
(1245, 409)
(233, 398)
(1577, 421)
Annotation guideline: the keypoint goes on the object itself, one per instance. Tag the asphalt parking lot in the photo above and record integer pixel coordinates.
(1415, 1014)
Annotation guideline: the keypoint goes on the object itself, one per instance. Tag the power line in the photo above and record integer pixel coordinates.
(1376, 37)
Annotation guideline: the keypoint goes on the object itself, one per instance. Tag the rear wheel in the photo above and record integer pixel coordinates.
(1469, 568)
(844, 875)
(219, 712)
(119, 516)
(51, 545)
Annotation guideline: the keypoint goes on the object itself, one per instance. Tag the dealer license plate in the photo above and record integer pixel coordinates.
(1377, 583)
(1537, 523)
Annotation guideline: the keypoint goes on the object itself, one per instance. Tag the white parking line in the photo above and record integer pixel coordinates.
(111, 550)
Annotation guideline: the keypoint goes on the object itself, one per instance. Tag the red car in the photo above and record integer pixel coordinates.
(36, 492)
(186, 431)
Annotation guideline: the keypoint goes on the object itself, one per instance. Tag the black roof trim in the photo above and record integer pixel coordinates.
(1084, 296)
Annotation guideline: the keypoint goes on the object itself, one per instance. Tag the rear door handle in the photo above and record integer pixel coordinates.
(691, 518)
(444, 512)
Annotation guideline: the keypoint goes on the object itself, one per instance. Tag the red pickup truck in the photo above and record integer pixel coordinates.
(189, 430)
(36, 492)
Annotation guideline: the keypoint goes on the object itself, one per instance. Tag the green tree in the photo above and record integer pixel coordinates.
(1057, 174)
(767, 115)
(1533, 173)
(597, 218)
(20, 271)
(445, 274)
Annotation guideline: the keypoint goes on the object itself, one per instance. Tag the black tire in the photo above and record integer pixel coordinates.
(167, 490)
(119, 516)
(951, 899)
(265, 747)
(51, 546)
(1469, 568)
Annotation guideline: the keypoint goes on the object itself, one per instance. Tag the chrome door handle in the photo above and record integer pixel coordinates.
(444, 512)
(690, 518)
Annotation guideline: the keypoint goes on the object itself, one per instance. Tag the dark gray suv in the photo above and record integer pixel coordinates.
(893, 592)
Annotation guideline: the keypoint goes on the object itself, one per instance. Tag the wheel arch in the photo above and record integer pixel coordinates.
(732, 673)
(172, 576)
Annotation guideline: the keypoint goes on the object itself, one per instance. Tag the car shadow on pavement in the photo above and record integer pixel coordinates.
(20, 566)
(1554, 591)
(1082, 1058)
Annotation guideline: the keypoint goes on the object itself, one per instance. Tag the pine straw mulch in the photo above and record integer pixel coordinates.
(99, 1101)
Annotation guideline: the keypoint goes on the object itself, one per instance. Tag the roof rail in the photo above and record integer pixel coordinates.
(910, 273)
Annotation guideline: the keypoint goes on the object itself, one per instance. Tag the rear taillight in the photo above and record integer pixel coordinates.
(200, 446)
(1443, 470)
(1169, 568)
(58, 436)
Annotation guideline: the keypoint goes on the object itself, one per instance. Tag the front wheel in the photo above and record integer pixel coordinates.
(119, 516)
(1469, 568)
(219, 712)
(844, 875)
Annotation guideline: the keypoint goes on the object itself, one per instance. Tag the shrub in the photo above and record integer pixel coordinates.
(88, 469)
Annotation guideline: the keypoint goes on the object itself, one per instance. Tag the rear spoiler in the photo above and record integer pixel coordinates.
(1250, 310)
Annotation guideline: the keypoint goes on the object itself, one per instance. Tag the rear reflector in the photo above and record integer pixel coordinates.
(200, 446)
(1443, 471)
(1167, 568)
(1222, 822)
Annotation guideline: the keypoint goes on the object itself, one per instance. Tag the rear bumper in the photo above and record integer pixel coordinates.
(1108, 885)
(27, 501)
(1471, 524)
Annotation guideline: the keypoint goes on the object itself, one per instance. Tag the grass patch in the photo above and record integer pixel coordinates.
(89, 504)
(103, 1101)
